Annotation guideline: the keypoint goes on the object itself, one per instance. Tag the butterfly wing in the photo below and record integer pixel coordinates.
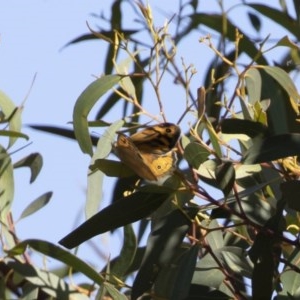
(158, 139)
(130, 156)
(161, 165)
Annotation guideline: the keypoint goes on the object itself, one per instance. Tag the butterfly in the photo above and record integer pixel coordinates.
(150, 152)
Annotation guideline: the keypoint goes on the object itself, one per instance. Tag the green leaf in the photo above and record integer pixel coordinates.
(196, 154)
(12, 114)
(36, 205)
(14, 134)
(122, 212)
(255, 21)
(6, 184)
(83, 106)
(123, 68)
(165, 239)
(63, 132)
(113, 292)
(46, 281)
(280, 17)
(262, 256)
(286, 42)
(34, 161)
(290, 279)
(112, 168)
(173, 282)
(273, 148)
(225, 177)
(213, 136)
(60, 254)
(253, 84)
(95, 178)
(214, 238)
(291, 193)
(106, 35)
(30, 291)
(240, 126)
(236, 260)
(207, 273)
(285, 82)
(128, 250)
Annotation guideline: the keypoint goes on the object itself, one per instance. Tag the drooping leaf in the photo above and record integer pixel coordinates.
(253, 84)
(60, 254)
(208, 274)
(106, 35)
(286, 42)
(122, 212)
(173, 282)
(6, 184)
(290, 278)
(213, 136)
(273, 148)
(83, 106)
(225, 177)
(255, 21)
(12, 115)
(95, 178)
(281, 17)
(165, 238)
(64, 132)
(112, 291)
(36, 205)
(46, 281)
(291, 193)
(261, 254)
(112, 168)
(195, 154)
(285, 82)
(123, 262)
(34, 161)
(237, 261)
(241, 126)
(14, 134)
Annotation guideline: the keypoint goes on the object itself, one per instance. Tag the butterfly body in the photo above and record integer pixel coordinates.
(150, 152)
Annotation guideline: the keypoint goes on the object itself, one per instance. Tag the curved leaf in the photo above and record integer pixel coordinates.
(83, 106)
(290, 193)
(64, 132)
(95, 178)
(253, 84)
(34, 161)
(36, 205)
(112, 168)
(273, 148)
(241, 126)
(14, 134)
(6, 184)
(50, 283)
(285, 82)
(12, 115)
(225, 177)
(126, 257)
(173, 281)
(60, 254)
(122, 212)
(280, 17)
(195, 154)
(165, 238)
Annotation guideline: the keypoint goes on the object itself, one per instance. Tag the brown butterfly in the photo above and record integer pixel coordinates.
(150, 152)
